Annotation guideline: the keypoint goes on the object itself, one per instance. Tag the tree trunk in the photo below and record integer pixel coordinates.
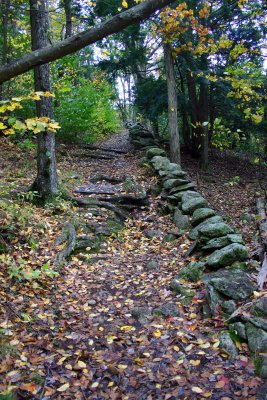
(46, 182)
(5, 5)
(203, 117)
(67, 9)
(172, 105)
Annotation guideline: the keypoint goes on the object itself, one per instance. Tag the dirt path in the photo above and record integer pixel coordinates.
(113, 329)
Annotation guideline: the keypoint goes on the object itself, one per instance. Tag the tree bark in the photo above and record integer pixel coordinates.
(68, 15)
(80, 40)
(172, 105)
(46, 182)
(5, 5)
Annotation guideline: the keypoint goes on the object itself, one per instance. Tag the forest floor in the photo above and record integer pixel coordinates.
(110, 328)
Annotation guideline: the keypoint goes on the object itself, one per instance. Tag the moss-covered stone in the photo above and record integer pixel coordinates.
(155, 151)
(216, 243)
(227, 255)
(181, 220)
(194, 234)
(234, 286)
(214, 230)
(201, 214)
(192, 272)
(257, 339)
(188, 207)
(227, 344)
(174, 182)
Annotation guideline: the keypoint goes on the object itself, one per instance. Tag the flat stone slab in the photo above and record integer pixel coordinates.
(99, 189)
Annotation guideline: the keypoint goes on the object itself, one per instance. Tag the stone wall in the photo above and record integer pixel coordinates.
(222, 259)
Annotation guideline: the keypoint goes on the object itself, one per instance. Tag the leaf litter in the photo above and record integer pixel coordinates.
(97, 330)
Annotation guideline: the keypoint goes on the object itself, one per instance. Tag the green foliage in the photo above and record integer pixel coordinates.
(223, 138)
(86, 112)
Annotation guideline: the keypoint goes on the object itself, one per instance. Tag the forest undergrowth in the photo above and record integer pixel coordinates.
(105, 324)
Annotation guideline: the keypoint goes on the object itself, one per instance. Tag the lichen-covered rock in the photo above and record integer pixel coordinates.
(174, 182)
(214, 299)
(257, 339)
(167, 310)
(227, 344)
(214, 230)
(155, 151)
(227, 255)
(190, 194)
(181, 220)
(201, 214)
(235, 286)
(261, 370)
(192, 272)
(228, 307)
(160, 163)
(239, 329)
(151, 265)
(188, 207)
(182, 188)
(194, 234)
(216, 243)
(235, 238)
(259, 307)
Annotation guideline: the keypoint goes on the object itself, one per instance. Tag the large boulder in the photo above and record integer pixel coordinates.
(188, 207)
(201, 214)
(194, 234)
(234, 285)
(227, 255)
(181, 220)
(214, 230)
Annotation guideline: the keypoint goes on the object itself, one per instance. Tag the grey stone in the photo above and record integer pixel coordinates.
(261, 370)
(214, 230)
(171, 183)
(257, 339)
(167, 310)
(160, 163)
(151, 233)
(155, 151)
(227, 255)
(216, 243)
(151, 265)
(192, 272)
(173, 173)
(182, 188)
(214, 299)
(201, 214)
(227, 344)
(258, 322)
(235, 287)
(235, 238)
(181, 220)
(262, 392)
(142, 314)
(194, 234)
(188, 207)
(240, 329)
(259, 307)
(228, 307)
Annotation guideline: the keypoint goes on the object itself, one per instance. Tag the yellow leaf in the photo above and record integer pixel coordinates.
(194, 362)
(124, 4)
(81, 364)
(127, 328)
(205, 345)
(176, 348)
(197, 389)
(110, 384)
(2, 126)
(122, 366)
(95, 384)
(63, 387)
(157, 333)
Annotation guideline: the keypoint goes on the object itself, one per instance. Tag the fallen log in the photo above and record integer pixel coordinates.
(126, 200)
(122, 215)
(69, 236)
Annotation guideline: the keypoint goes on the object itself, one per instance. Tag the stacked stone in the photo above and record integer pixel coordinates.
(222, 252)
(139, 136)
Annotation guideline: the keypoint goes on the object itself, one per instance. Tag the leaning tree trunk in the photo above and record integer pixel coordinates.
(46, 182)
(172, 105)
